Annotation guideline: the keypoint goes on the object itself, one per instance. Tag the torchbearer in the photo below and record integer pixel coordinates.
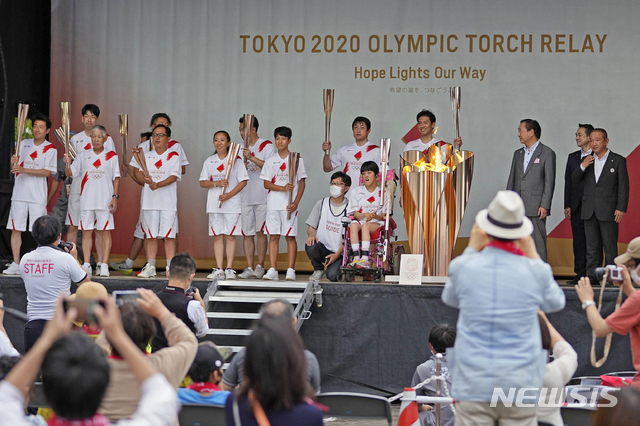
(33, 163)
(159, 198)
(224, 175)
(81, 141)
(427, 128)
(254, 200)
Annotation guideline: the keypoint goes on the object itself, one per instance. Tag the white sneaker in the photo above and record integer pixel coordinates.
(104, 270)
(291, 275)
(216, 274)
(271, 274)
(259, 272)
(87, 268)
(122, 267)
(98, 269)
(317, 275)
(230, 274)
(147, 272)
(12, 269)
(247, 273)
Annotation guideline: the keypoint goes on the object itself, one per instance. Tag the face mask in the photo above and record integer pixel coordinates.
(335, 191)
(634, 275)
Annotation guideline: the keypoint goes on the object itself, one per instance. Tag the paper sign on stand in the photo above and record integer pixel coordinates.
(411, 269)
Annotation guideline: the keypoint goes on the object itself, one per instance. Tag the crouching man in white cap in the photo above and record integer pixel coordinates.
(498, 284)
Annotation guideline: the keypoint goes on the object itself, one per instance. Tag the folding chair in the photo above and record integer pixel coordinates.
(202, 415)
(356, 405)
(576, 416)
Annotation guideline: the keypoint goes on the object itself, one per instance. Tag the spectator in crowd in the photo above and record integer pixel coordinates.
(75, 375)
(324, 242)
(122, 396)
(6, 347)
(627, 318)
(625, 412)
(190, 309)
(441, 337)
(275, 385)
(89, 291)
(205, 374)
(557, 374)
(498, 284)
(47, 272)
(280, 308)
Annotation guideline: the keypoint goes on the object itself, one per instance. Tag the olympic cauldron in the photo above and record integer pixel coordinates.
(435, 191)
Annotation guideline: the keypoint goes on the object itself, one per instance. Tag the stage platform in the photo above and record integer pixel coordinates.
(375, 334)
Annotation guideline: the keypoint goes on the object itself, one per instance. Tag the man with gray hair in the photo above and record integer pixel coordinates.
(99, 171)
(234, 375)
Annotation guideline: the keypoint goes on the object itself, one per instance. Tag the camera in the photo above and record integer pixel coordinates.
(65, 246)
(614, 275)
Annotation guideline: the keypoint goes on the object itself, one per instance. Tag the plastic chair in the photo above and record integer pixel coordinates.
(576, 416)
(37, 398)
(202, 415)
(356, 405)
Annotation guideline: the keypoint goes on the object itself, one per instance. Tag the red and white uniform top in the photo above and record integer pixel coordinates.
(160, 168)
(172, 145)
(82, 142)
(351, 157)
(276, 171)
(30, 188)
(363, 201)
(96, 173)
(215, 169)
(255, 193)
(418, 145)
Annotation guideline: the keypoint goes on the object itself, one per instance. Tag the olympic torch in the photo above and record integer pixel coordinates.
(23, 112)
(294, 160)
(248, 125)
(64, 118)
(456, 97)
(327, 97)
(123, 119)
(138, 154)
(232, 156)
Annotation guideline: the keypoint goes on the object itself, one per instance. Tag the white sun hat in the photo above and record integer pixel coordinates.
(505, 217)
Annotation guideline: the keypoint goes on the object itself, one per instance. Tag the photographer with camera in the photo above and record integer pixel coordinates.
(627, 318)
(47, 272)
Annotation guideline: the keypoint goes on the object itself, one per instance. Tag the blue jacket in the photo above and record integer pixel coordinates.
(498, 342)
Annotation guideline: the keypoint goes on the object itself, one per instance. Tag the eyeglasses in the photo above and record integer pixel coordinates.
(158, 135)
(338, 183)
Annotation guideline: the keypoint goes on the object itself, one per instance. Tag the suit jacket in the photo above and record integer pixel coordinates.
(573, 191)
(536, 184)
(609, 194)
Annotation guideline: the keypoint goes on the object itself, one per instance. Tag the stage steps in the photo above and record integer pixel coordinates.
(232, 307)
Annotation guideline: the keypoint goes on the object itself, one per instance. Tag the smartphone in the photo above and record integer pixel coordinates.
(120, 297)
(85, 308)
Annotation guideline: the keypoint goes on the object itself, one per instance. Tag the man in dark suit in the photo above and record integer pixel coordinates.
(573, 202)
(605, 199)
(533, 177)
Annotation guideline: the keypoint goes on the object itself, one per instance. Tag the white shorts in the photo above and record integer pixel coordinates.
(139, 232)
(73, 210)
(100, 220)
(19, 212)
(224, 224)
(277, 223)
(159, 223)
(364, 222)
(253, 219)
